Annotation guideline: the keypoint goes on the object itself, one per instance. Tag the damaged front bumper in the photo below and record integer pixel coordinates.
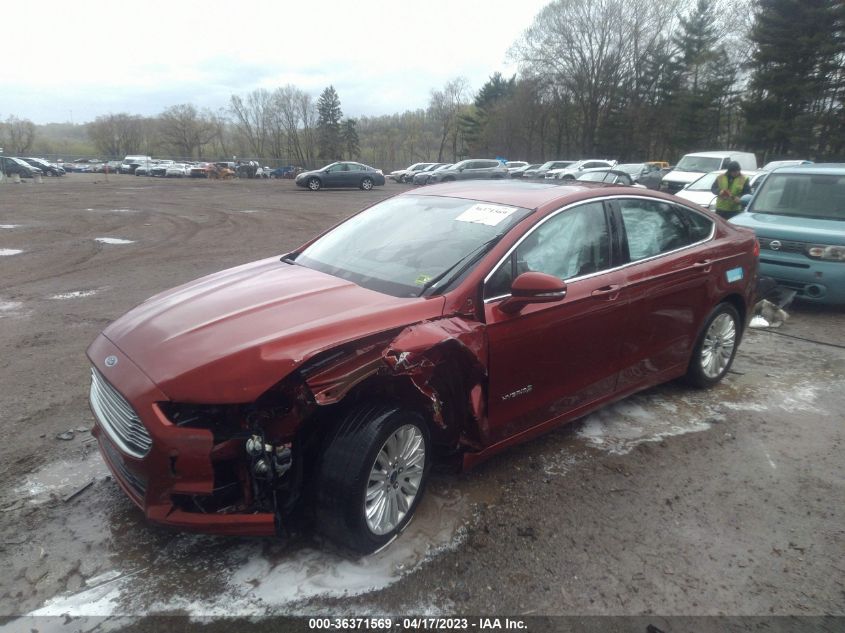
(169, 476)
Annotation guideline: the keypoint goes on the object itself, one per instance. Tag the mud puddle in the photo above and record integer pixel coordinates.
(207, 576)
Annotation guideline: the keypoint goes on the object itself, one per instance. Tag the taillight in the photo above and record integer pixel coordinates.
(756, 248)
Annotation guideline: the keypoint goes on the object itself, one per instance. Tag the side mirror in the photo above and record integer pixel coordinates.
(533, 288)
(460, 168)
(744, 200)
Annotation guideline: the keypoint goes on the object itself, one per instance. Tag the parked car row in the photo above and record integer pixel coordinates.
(29, 167)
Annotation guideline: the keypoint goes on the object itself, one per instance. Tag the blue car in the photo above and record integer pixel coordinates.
(798, 214)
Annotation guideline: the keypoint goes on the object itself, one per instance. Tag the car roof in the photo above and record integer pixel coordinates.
(832, 169)
(529, 195)
(716, 154)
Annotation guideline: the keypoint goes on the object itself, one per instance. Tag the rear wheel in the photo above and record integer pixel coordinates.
(372, 476)
(314, 184)
(716, 347)
(367, 184)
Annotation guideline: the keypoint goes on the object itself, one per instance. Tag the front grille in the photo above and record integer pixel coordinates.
(136, 482)
(785, 246)
(118, 418)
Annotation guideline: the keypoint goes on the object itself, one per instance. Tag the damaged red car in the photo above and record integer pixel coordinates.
(316, 390)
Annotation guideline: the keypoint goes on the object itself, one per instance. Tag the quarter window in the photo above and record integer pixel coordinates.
(571, 244)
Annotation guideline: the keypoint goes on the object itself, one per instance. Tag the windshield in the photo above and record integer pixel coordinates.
(803, 195)
(446, 166)
(631, 168)
(699, 163)
(407, 245)
(594, 176)
(704, 183)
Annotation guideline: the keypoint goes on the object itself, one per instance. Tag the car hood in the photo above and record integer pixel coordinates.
(305, 174)
(230, 336)
(703, 198)
(795, 228)
(685, 177)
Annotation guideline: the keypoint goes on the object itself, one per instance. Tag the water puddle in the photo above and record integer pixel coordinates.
(59, 479)
(10, 309)
(642, 418)
(208, 576)
(113, 240)
(10, 226)
(10, 251)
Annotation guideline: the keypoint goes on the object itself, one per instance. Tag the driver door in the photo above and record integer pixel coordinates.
(552, 359)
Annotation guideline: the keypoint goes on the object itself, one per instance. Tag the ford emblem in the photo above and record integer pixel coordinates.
(775, 245)
(111, 361)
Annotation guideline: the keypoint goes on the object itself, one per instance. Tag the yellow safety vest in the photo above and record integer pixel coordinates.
(727, 205)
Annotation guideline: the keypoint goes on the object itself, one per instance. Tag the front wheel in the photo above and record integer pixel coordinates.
(716, 347)
(372, 476)
(367, 184)
(314, 184)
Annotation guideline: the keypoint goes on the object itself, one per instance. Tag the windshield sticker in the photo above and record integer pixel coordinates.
(733, 275)
(489, 214)
(422, 280)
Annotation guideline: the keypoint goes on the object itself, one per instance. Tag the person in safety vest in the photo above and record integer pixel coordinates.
(728, 189)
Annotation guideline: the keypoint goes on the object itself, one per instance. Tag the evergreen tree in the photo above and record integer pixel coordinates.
(329, 115)
(350, 139)
(475, 122)
(705, 75)
(797, 80)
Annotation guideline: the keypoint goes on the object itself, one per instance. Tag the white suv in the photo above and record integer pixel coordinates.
(574, 170)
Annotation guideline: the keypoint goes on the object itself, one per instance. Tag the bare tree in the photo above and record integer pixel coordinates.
(116, 135)
(253, 118)
(186, 130)
(19, 136)
(444, 107)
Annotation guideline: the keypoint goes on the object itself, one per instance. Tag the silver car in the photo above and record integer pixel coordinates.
(471, 169)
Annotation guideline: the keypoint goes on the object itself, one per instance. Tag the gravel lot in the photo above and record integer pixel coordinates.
(673, 501)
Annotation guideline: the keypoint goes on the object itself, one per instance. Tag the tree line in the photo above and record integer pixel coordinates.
(624, 79)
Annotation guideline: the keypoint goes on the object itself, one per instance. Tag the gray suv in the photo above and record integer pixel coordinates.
(471, 169)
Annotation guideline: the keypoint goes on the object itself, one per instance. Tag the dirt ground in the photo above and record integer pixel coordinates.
(672, 502)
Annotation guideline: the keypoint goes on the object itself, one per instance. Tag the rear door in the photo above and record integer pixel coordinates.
(669, 249)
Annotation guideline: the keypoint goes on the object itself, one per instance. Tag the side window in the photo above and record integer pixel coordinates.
(652, 228)
(699, 226)
(571, 244)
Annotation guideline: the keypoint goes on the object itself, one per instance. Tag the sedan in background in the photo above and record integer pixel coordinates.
(607, 176)
(422, 176)
(542, 170)
(407, 174)
(47, 168)
(520, 173)
(341, 174)
(572, 171)
(798, 214)
(315, 390)
(471, 169)
(11, 166)
(177, 170)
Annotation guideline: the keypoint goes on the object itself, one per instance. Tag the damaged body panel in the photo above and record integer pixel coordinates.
(443, 326)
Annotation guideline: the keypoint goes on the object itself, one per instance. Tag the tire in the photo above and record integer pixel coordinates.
(314, 184)
(367, 184)
(357, 476)
(449, 179)
(715, 348)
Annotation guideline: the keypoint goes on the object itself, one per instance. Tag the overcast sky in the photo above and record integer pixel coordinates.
(74, 59)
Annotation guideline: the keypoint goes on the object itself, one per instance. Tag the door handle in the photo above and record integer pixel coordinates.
(608, 293)
(703, 265)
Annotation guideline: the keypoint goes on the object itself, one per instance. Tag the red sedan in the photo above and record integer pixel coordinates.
(443, 324)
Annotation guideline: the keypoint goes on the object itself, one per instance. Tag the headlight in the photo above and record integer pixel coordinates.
(827, 253)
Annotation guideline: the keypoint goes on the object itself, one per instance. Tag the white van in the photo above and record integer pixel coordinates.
(693, 166)
(131, 162)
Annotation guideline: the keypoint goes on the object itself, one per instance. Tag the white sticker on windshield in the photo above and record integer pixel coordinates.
(489, 214)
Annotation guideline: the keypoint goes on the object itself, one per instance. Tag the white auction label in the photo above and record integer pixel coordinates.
(489, 214)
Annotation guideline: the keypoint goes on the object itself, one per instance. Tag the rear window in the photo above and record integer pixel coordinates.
(803, 195)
